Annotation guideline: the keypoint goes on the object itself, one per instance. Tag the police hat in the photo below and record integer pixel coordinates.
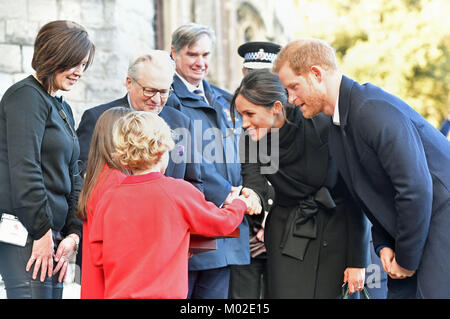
(258, 55)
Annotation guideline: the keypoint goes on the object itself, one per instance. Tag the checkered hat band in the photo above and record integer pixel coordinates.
(260, 56)
(257, 65)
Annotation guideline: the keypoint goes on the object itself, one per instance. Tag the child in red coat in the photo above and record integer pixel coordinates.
(142, 241)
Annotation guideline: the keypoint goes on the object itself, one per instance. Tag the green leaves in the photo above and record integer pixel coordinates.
(402, 46)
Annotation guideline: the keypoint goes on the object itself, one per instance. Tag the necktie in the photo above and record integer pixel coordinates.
(200, 93)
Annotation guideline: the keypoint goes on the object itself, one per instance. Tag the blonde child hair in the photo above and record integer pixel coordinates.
(141, 139)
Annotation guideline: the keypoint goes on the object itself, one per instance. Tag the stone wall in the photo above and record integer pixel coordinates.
(120, 30)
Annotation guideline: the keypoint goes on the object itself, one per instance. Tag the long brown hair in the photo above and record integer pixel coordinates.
(60, 45)
(100, 152)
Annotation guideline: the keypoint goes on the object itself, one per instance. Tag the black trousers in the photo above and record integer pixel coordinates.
(402, 288)
(18, 282)
(249, 281)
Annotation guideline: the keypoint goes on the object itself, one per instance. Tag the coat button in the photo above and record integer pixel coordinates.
(325, 243)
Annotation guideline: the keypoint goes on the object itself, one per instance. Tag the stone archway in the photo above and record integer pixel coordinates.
(251, 26)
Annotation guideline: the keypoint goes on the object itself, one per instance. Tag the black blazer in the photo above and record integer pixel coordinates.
(180, 164)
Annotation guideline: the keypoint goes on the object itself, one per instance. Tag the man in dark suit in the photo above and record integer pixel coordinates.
(394, 162)
(148, 85)
(208, 106)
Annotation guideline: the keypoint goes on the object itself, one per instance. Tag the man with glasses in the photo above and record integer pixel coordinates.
(151, 94)
(148, 84)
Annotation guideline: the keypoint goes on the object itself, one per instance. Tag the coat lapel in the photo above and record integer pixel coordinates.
(189, 99)
(343, 151)
(344, 100)
(124, 101)
(341, 145)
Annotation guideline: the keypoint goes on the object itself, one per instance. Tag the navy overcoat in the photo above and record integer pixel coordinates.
(397, 166)
(216, 142)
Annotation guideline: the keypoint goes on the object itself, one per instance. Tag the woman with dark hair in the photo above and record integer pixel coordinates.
(103, 172)
(38, 165)
(315, 235)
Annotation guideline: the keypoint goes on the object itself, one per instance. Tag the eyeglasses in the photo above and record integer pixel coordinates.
(147, 92)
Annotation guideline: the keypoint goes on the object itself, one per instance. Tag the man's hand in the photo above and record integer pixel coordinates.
(386, 257)
(398, 272)
(390, 266)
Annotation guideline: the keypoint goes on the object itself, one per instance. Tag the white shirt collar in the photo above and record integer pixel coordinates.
(336, 119)
(192, 88)
(189, 86)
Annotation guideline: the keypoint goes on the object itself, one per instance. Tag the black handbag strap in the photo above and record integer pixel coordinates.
(63, 115)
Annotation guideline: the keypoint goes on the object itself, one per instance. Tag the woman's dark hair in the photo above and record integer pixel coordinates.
(261, 87)
(60, 45)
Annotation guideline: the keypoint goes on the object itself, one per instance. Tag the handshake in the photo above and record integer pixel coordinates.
(250, 198)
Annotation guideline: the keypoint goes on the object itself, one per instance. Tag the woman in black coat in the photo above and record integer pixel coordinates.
(316, 237)
(39, 175)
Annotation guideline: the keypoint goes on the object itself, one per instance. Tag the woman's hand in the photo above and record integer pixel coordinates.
(253, 203)
(260, 235)
(42, 256)
(354, 277)
(66, 249)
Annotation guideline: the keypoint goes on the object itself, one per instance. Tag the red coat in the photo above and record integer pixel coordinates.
(92, 279)
(143, 240)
